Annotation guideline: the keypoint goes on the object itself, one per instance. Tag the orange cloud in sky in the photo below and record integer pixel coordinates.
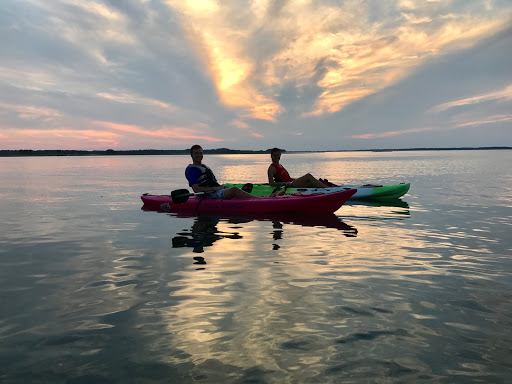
(222, 49)
(240, 124)
(230, 74)
(358, 56)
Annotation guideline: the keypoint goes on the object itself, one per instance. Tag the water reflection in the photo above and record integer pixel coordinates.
(379, 209)
(205, 232)
(380, 203)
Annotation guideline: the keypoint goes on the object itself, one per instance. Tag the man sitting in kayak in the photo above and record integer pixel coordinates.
(278, 175)
(201, 178)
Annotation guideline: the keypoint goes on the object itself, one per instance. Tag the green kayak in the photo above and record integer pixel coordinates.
(364, 192)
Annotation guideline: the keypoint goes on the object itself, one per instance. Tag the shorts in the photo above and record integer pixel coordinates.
(216, 194)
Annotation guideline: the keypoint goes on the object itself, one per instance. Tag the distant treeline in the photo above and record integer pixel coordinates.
(72, 152)
(435, 149)
(219, 151)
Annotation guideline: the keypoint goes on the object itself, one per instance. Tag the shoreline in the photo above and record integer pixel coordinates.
(219, 151)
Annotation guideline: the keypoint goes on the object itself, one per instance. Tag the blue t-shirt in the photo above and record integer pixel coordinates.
(192, 176)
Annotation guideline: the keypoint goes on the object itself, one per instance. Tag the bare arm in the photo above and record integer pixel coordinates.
(271, 174)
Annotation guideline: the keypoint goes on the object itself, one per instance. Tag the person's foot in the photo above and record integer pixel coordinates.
(327, 183)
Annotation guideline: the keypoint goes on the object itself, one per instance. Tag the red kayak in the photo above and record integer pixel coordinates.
(304, 203)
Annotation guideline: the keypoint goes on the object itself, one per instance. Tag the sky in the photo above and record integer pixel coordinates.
(294, 74)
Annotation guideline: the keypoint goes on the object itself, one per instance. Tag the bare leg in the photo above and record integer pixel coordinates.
(235, 192)
(307, 181)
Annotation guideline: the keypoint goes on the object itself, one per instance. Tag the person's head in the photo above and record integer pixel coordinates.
(196, 152)
(275, 155)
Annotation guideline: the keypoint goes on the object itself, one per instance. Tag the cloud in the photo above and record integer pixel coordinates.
(29, 112)
(504, 94)
(390, 133)
(134, 99)
(491, 120)
(168, 71)
(69, 133)
(338, 49)
(240, 124)
(244, 126)
(177, 133)
(59, 138)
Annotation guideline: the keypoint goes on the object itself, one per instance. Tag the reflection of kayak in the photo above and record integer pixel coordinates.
(327, 220)
(391, 191)
(205, 230)
(380, 203)
(305, 203)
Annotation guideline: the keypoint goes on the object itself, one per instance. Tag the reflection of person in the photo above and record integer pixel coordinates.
(203, 233)
(278, 175)
(202, 179)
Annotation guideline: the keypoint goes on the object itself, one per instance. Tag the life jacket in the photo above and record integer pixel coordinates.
(281, 174)
(207, 178)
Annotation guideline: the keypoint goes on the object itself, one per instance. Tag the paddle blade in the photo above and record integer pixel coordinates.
(180, 196)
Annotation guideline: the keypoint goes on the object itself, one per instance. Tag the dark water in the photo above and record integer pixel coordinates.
(96, 290)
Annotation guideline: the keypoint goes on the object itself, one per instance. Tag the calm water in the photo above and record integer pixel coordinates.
(94, 289)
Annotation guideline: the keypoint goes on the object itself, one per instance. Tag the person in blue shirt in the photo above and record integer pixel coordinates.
(201, 178)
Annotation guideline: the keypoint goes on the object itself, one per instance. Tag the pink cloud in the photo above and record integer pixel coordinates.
(240, 124)
(390, 133)
(166, 132)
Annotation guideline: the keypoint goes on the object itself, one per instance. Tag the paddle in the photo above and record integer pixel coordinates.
(180, 196)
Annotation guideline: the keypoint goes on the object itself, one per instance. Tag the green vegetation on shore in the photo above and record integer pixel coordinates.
(218, 151)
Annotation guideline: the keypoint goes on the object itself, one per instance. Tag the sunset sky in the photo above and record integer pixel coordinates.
(300, 75)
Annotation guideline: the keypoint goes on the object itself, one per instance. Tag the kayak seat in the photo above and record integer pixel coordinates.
(247, 187)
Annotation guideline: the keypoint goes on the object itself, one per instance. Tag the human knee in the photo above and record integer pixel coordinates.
(230, 192)
(236, 192)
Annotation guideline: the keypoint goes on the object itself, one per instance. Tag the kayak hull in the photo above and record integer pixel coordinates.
(391, 191)
(305, 203)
